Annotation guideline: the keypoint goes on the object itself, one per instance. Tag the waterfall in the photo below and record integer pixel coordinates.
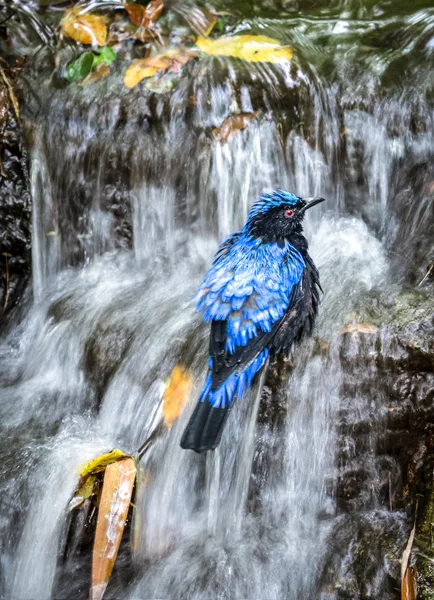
(127, 214)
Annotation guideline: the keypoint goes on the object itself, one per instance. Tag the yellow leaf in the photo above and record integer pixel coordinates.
(85, 491)
(86, 28)
(142, 69)
(177, 393)
(253, 48)
(101, 462)
(112, 514)
(172, 60)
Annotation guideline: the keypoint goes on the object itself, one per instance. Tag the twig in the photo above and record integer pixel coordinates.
(11, 94)
(427, 274)
(407, 552)
(7, 18)
(424, 556)
(5, 254)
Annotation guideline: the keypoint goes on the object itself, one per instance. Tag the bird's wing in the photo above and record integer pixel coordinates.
(225, 363)
(245, 295)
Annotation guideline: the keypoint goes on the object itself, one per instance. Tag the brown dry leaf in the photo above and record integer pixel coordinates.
(112, 514)
(172, 60)
(233, 124)
(85, 28)
(360, 328)
(253, 48)
(406, 555)
(100, 72)
(177, 393)
(409, 584)
(179, 59)
(145, 16)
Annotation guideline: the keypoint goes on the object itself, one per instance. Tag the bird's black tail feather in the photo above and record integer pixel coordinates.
(205, 428)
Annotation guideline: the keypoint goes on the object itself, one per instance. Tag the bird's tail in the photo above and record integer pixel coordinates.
(206, 424)
(205, 428)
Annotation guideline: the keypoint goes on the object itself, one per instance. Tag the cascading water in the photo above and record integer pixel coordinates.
(123, 232)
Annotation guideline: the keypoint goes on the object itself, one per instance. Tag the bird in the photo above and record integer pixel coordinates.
(260, 296)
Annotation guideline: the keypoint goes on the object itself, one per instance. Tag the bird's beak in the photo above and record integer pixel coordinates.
(311, 202)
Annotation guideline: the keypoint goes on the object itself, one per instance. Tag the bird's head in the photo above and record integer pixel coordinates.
(278, 215)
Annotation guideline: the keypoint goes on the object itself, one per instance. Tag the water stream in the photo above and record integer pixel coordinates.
(126, 217)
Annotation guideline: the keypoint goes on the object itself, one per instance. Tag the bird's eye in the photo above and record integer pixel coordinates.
(289, 213)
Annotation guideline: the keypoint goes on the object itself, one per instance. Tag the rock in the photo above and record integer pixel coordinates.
(15, 205)
(384, 456)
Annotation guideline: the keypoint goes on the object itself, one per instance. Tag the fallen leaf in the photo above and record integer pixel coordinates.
(233, 124)
(80, 68)
(84, 491)
(406, 555)
(84, 28)
(145, 16)
(409, 584)
(179, 59)
(360, 328)
(112, 514)
(178, 391)
(100, 72)
(101, 462)
(143, 68)
(253, 48)
(104, 55)
(221, 23)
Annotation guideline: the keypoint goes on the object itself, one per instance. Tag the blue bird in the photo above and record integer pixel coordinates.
(261, 295)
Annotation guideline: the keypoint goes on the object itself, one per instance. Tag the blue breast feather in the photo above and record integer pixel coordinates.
(249, 285)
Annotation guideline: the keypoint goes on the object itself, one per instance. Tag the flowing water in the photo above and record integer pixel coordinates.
(126, 217)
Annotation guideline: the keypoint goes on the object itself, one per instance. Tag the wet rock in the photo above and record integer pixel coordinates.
(384, 456)
(103, 354)
(15, 204)
(366, 552)
(412, 217)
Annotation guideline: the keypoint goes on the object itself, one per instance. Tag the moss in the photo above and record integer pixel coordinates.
(425, 529)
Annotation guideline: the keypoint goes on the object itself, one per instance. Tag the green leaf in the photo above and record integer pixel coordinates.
(105, 54)
(221, 23)
(80, 68)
